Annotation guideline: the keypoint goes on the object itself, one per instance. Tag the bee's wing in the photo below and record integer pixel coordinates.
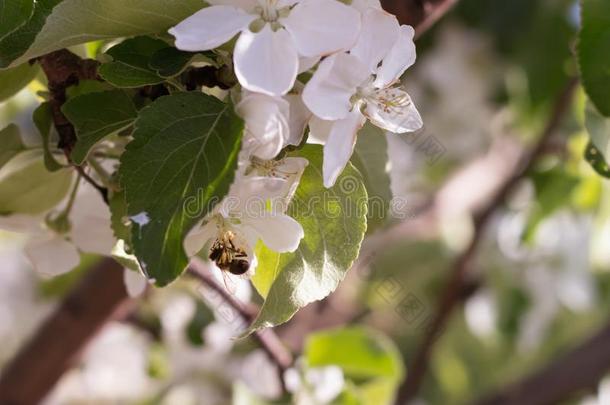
(229, 282)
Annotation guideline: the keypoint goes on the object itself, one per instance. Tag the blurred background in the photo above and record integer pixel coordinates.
(487, 77)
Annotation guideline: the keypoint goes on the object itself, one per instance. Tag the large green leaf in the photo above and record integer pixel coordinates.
(185, 147)
(334, 221)
(371, 159)
(27, 187)
(57, 24)
(13, 14)
(130, 64)
(14, 79)
(593, 54)
(597, 152)
(369, 359)
(10, 143)
(97, 115)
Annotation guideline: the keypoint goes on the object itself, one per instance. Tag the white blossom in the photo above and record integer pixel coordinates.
(274, 34)
(348, 88)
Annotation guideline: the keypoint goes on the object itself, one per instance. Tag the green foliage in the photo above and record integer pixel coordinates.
(57, 24)
(371, 158)
(368, 359)
(11, 143)
(185, 147)
(202, 317)
(593, 55)
(97, 115)
(169, 61)
(44, 123)
(27, 187)
(597, 151)
(334, 221)
(130, 64)
(14, 79)
(14, 14)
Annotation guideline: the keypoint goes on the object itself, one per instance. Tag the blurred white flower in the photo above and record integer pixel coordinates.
(319, 385)
(274, 33)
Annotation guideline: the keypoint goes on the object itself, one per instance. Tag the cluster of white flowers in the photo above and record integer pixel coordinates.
(357, 53)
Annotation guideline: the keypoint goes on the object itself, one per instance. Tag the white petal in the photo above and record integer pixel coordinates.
(400, 58)
(322, 27)
(210, 27)
(379, 32)
(340, 146)
(52, 256)
(198, 237)
(319, 130)
(278, 232)
(328, 92)
(363, 5)
(246, 5)
(135, 283)
(22, 223)
(400, 116)
(297, 119)
(266, 120)
(266, 61)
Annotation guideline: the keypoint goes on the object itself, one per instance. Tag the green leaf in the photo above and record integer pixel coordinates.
(334, 221)
(371, 158)
(97, 115)
(14, 79)
(130, 65)
(593, 55)
(170, 62)
(13, 14)
(58, 24)
(369, 359)
(10, 143)
(44, 123)
(27, 187)
(598, 149)
(185, 147)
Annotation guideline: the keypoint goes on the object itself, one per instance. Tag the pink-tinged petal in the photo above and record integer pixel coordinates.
(267, 61)
(297, 119)
(278, 232)
(394, 111)
(379, 32)
(210, 27)
(340, 146)
(400, 58)
(328, 92)
(307, 62)
(322, 27)
(52, 256)
(135, 283)
(319, 130)
(267, 128)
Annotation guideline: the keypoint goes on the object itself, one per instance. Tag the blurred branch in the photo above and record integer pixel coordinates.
(420, 14)
(578, 370)
(463, 263)
(267, 338)
(57, 344)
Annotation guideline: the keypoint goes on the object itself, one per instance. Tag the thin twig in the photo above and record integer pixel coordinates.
(267, 339)
(462, 264)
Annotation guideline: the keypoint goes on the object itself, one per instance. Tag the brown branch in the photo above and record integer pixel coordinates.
(420, 14)
(64, 69)
(463, 263)
(56, 345)
(575, 372)
(267, 339)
